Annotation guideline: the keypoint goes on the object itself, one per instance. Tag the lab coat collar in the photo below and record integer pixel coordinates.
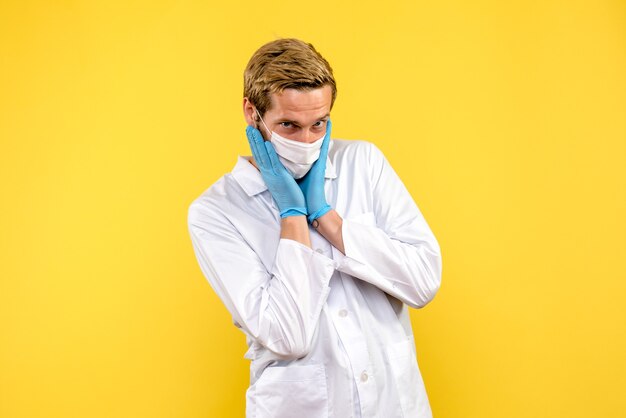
(250, 180)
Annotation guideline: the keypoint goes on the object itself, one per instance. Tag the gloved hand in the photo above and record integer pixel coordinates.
(280, 183)
(312, 185)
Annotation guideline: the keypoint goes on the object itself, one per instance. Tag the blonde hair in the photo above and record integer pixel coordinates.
(285, 64)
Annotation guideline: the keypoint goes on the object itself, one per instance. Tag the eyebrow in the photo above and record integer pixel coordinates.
(295, 122)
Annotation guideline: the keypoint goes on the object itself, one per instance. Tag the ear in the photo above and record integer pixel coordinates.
(249, 112)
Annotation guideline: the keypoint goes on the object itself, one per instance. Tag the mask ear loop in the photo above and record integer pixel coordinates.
(263, 122)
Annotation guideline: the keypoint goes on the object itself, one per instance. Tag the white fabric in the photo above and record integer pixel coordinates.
(296, 151)
(329, 335)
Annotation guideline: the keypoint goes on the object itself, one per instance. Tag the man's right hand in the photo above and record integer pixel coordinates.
(281, 184)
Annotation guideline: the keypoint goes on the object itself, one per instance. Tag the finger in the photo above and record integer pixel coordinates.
(251, 141)
(326, 142)
(257, 153)
(252, 134)
(277, 166)
(255, 139)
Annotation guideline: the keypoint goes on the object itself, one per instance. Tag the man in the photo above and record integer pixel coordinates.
(316, 248)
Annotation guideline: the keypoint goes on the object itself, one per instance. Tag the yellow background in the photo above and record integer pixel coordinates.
(506, 121)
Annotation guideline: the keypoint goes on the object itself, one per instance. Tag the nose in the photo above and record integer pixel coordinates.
(309, 137)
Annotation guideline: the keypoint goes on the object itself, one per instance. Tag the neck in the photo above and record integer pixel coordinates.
(253, 162)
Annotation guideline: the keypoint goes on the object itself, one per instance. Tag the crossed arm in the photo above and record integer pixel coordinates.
(330, 224)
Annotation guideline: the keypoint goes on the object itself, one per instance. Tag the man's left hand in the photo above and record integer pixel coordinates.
(312, 185)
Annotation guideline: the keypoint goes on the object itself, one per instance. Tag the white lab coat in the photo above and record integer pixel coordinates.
(329, 335)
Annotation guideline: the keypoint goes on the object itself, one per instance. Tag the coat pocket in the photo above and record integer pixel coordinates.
(292, 391)
(409, 383)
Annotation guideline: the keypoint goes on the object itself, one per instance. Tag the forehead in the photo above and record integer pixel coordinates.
(301, 105)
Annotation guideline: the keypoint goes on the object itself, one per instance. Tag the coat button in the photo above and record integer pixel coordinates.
(343, 313)
(364, 377)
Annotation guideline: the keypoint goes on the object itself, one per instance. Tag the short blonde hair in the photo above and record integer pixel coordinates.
(285, 64)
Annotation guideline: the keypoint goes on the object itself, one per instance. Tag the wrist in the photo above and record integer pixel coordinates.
(319, 213)
(330, 227)
(295, 228)
(296, 211)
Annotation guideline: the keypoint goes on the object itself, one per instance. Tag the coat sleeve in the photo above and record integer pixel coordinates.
(279, 306)
(394, 248)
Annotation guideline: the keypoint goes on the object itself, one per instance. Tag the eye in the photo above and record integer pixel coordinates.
(286, 124)
(319, 123)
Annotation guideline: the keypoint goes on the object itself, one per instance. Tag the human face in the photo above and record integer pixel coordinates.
(299, 115)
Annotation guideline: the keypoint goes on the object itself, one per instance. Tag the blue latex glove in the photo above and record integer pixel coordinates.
(280, 183)
(312, 185)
